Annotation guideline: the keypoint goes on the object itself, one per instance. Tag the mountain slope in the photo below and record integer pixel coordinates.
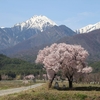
(46, 37)
(90, 41)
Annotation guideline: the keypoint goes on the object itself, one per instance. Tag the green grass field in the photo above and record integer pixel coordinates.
(79, 92)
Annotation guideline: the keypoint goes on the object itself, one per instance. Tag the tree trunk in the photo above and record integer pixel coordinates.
(70, 84)
(70, 80)
(50, 81)
(0, 77)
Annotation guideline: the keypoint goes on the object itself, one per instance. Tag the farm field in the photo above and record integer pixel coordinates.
(78, 92)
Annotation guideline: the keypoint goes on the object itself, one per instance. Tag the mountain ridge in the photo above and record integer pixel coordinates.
(88, 28)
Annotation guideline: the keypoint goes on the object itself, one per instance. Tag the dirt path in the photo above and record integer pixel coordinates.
(16, 90)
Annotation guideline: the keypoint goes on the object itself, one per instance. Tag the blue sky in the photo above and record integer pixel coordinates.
(72, 13)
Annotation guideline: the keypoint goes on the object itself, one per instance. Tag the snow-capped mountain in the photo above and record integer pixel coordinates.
(89, 28)
(36, 22)
(32, 28)
(23, 31)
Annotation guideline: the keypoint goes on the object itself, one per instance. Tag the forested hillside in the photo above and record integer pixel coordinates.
(96, 66)
(14, 66)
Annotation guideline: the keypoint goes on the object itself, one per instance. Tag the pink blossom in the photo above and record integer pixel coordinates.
(64, 57)
(87, 70)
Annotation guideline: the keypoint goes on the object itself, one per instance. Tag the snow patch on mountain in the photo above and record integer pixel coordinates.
(36, 22)
(89, 28)
(2, 27)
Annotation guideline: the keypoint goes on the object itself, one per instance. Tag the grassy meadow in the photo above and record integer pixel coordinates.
(79, 92)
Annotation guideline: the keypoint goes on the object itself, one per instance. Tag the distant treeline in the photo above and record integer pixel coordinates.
(14, 66)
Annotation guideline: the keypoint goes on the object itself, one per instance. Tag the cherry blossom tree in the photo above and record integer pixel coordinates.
(67, 58)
